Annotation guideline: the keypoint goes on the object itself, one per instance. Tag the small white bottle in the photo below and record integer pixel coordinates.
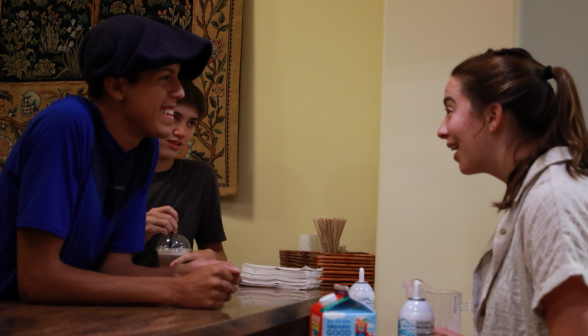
(362, 291)
(416, 316)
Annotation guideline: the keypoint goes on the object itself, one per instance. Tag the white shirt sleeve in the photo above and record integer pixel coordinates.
(555, 221)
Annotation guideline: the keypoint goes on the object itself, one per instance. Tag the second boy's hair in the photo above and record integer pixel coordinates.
(193, 97)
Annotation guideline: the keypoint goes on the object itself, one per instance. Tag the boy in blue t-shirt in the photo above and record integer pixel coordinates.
(73, 190)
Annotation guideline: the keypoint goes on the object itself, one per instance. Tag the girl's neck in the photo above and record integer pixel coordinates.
(512, 156)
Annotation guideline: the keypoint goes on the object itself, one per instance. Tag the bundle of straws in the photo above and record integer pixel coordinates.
(329, 231)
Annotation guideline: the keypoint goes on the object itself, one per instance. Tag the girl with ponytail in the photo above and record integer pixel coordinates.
(505, 118)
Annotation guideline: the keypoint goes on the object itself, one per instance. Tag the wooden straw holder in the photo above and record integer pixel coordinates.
(340, 268)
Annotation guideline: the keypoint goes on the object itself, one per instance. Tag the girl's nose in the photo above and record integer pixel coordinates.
(442, 131)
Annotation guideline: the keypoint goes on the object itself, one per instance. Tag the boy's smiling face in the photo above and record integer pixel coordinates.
(149, 103)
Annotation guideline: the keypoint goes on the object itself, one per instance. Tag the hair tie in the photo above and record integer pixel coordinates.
(548, 73)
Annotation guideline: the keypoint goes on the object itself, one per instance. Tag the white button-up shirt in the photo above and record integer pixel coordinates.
(540, 242)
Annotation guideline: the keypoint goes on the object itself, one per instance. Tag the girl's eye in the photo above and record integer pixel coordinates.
(165, 78)
(191, 123)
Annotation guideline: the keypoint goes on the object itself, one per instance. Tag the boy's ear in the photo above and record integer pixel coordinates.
(493, 115)
(114, 87)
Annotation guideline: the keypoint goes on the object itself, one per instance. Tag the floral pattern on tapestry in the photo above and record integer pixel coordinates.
(38, 64)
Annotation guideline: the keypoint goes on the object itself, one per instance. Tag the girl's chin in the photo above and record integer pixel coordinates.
(467, 170)
(463, 169)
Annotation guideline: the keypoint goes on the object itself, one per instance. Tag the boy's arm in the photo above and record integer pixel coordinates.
(210, 234)
(43, 278)
(216, 247)
(122, 264)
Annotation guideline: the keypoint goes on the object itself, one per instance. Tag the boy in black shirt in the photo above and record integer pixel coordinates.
(183, 189)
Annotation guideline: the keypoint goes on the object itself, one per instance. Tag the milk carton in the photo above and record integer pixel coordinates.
(340, 315)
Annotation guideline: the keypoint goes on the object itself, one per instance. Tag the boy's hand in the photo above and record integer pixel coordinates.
(200, 255)
(209, 287)
(162, 220)
(192, 261)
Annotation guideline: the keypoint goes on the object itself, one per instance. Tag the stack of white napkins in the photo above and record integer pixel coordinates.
(281, 277)
(271, 297)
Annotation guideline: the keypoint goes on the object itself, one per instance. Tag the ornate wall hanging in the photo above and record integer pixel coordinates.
(38, 62)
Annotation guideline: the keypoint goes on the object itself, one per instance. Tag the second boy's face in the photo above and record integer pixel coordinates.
(184, 124)
(150, 101)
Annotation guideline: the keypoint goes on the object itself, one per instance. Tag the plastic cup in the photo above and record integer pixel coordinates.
(170, 247)
(166, 256)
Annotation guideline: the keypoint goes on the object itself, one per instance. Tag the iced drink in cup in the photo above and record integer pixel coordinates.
(170, 247)
(166, 256)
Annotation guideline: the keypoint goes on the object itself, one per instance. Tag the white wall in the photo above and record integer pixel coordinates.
(555, 34)
(433, 222)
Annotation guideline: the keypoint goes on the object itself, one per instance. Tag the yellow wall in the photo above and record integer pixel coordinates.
(433, 222)
(309, 125)
(311, 91)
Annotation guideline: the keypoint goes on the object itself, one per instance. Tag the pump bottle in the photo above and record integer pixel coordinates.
(362, 291)
(416, 316)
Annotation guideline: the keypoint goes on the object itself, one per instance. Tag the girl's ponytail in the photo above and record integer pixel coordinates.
(569, 121)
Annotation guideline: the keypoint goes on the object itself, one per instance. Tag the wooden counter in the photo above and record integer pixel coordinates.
(251, 311)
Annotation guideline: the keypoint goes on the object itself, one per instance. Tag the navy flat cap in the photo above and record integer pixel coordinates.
(127, 44)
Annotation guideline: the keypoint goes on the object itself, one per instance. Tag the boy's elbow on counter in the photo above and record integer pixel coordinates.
(31, 289)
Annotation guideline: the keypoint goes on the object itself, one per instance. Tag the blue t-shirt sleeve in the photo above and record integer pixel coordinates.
(53, 149)
(130, 237)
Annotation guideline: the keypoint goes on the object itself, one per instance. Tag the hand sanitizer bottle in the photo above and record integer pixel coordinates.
(416, 316)
(362, 291)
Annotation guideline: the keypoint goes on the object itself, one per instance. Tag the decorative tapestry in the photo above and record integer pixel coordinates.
(39, 64)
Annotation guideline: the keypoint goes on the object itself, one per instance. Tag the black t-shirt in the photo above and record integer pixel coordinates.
(190, 187)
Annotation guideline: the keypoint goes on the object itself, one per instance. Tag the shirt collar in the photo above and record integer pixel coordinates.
(553, 156)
